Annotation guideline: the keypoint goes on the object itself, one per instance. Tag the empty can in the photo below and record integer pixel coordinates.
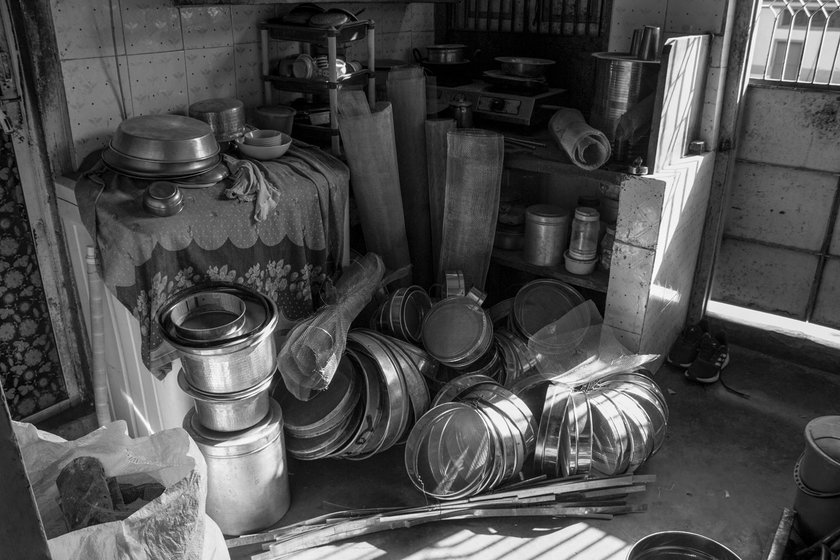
(546, 234)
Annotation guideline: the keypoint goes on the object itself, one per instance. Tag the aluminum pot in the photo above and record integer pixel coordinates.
(247, 475)
(524, 67)
(232, 364)
(446, 53)
(230, 412)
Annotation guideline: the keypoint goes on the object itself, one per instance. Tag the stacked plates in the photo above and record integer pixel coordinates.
(377, 393)
(162, 147)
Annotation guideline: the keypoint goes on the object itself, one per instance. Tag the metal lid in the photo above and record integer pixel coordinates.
(547, 214)
(454, 328)
(231, 444)
(587, 214)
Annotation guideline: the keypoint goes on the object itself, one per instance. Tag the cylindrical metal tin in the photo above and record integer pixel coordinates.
(546, 234)
(583, 244)
(225, 116)
(229, 412)
(247, 477)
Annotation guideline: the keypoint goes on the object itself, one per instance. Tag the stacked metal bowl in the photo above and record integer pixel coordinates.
(224, 336)
(377, 393)
(162, 147)
(225, 116)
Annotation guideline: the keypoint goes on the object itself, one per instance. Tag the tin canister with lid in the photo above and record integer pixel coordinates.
(247, 476)
(546, 234)
(583, 243)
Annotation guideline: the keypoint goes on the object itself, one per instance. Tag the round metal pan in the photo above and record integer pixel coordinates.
(165, 138)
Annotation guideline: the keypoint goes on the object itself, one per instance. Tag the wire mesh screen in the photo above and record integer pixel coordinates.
(576, 18)
(797, 41)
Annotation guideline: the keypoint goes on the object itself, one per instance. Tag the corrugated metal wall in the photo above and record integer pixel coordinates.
(781, 246)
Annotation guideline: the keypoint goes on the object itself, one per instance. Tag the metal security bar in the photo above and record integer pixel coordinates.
(575, 18)
(797, 41)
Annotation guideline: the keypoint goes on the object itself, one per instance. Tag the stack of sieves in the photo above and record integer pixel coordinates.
(224, 335)
(225, 116)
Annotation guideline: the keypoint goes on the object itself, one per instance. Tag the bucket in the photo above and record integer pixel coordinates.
(818, 513)
(820, 463)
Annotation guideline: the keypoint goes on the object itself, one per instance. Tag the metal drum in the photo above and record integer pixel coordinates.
(247, 477)
(621, 83)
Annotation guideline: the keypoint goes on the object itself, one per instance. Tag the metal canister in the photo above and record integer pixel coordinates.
(546, 234)
(462, 112)
(247, 476)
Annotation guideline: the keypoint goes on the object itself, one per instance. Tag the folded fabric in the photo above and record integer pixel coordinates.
(250, 184)
(587, 147)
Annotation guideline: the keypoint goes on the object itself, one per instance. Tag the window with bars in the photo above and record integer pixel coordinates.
(797, 41)
(576, 18)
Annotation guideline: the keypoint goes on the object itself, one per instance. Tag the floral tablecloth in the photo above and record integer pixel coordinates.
(144, 258)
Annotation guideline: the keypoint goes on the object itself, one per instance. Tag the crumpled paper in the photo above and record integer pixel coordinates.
(171, 527)
(587, 147)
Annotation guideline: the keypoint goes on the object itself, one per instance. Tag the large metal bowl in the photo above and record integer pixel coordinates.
(524, 67)
(168, 138)
(132, 165)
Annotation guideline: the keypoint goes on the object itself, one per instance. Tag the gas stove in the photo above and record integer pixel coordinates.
(502, 104)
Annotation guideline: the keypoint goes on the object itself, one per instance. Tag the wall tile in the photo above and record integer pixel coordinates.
(764, 278)
(246, 20)
(780, 205)
(211, 72)
(628, 15)
(249, 84)
(207, 26)
(797, 128)
(159, 83)
(827, 310)
(93, 101)
(690, 16)
(150, 27)
(83, 30)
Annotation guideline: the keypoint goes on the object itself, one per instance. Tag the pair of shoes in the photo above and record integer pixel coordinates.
(685, 349)
(712, 357)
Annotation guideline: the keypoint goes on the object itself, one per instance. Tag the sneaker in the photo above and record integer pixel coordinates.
(712, 357)
(685, 348)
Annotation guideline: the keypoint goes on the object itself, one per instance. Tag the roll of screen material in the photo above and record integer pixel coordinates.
(436, 131)
(407, 93)
(371, 152)
(474, 160)
(587, 147)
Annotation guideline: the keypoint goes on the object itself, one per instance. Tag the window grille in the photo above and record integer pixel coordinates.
(797, 41)
(576, 18)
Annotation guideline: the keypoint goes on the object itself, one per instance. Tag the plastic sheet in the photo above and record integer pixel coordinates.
(310, 356)
(181, 529)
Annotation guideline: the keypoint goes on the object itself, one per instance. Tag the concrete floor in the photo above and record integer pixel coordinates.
(725, 471)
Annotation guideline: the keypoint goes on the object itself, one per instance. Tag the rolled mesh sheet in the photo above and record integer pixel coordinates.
(374, 176)
(436, 131)
(474, 160)
(587, 147)
(407, 93)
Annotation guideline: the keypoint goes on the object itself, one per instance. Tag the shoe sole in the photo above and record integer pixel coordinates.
(709, 380)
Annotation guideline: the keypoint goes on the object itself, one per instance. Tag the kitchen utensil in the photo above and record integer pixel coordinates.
(304, 66)
(129, 165)
(266, 152)
(820, 463)
(247, 476)
(225, 116)
(457, 331)
(649, 44)
(679, 545)
(208, 316)
(333, 17)
(265, 137)
(546, 233)
(230, 412)
(275, 117)
(163, 199)
(301, 14)
(233, 364)
(451, 53)
(165, 138)
(524, 67)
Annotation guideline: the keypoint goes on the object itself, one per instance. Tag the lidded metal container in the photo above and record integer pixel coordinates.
(546, 234)
(247, 476)
(225, 116)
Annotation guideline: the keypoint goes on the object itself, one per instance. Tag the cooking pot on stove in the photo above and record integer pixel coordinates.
(446, 53)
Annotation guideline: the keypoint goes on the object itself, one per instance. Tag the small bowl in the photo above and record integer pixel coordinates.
(265, 138)
(264, 152)
(163, 198)
(577, 266)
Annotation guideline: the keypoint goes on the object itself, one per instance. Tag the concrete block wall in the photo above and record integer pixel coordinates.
(169, 57)
(780, 213)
